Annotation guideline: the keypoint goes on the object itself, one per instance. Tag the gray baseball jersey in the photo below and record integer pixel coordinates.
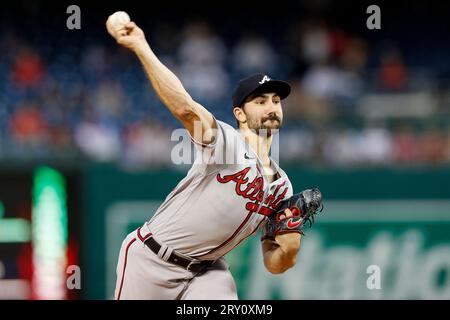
(223, 199)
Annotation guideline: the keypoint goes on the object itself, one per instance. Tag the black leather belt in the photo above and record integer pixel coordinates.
(184, 262)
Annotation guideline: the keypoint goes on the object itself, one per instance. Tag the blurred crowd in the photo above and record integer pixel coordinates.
(353, 101)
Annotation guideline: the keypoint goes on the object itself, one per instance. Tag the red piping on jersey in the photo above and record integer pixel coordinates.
(232, 237)
(203, 145)
(142, 238)
(124, 267)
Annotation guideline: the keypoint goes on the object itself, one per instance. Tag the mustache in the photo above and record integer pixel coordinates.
(272, 117)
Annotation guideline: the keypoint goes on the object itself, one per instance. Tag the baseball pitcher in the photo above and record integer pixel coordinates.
(233, 188)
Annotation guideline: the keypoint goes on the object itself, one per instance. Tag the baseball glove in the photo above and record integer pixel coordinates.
(304, 206)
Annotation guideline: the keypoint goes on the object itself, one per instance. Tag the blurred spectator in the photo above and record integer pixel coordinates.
(328, 88)
(315, 42)
(342, 147)
(98, 140)
(208, 84)
(338, 43)
(303, 106)
(253, 54)
(405, 146)
(147, 142)
(202, 55)
(201, 46)
(27, 68)
(109, 100)
(27, 125)
(375, 144)
(432, 146)
(60, 137)
(339, 84)
(353, 55)
(393, 73)
(296, 144)
(329, 82)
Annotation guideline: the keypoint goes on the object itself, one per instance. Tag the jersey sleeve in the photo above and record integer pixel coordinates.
(204, 147)
(222, 151)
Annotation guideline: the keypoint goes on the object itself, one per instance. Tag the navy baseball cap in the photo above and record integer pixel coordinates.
(258, 82)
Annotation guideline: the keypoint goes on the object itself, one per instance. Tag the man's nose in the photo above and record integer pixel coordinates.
(272, 107)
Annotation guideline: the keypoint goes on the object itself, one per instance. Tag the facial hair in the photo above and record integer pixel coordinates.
(261, 125)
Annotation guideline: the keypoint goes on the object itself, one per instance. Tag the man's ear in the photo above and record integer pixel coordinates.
(239, 114)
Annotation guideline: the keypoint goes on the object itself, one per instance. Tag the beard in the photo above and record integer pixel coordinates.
(267, 125)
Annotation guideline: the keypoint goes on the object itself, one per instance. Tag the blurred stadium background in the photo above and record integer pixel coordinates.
(85, 143)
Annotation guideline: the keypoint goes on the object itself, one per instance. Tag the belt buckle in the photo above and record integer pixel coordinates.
(193, 263)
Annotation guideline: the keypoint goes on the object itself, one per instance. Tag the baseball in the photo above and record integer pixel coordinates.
(117, 20)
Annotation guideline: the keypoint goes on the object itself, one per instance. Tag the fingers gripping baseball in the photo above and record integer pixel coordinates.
(124, 31)
(130, 35)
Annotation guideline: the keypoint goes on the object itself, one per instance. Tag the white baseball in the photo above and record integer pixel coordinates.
(118, 19)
